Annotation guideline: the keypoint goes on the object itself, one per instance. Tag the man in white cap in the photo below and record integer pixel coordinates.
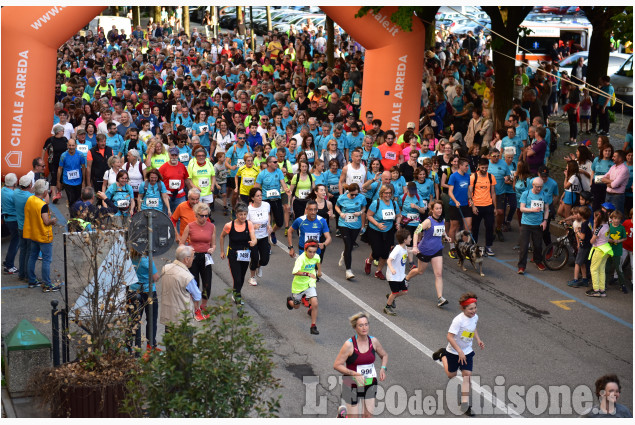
(410, 126)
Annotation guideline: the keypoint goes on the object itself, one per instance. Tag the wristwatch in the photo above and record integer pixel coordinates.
(290, 247)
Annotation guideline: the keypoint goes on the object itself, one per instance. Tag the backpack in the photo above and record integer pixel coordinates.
(476, 178)
(295, 189)
(394, 206)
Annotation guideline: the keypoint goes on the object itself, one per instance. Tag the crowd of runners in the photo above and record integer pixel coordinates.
(273, 138)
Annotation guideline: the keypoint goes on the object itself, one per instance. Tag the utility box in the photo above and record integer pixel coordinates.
(25, 350)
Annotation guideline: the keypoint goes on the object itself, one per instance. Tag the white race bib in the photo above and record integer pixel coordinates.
(135, 186)
(333, 188)
(575, 188)
(511, 149)
(248, 181)
(309, 154)
(598, 179)
(356, 178)
(204, 128)
(388, 214)
(311, 237)
(83, 149)
(188, 131)
(391, 155)
(349, 218)
(303, 193)
(420, 160)
(203, 182)
(368, 372)
(538, 204)
(72, 174)
(184, 157)
(425, 204)
(240, 163)
(152, 202)
(413, 216)
(243, 255)
(273, 193)
(438, 231)
(123, 203)
(174, 184)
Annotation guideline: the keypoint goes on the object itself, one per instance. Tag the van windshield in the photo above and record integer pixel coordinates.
(627, 68)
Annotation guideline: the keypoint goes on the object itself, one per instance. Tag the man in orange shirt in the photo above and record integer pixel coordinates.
(390, 151)
(185, 212)
(481, 196)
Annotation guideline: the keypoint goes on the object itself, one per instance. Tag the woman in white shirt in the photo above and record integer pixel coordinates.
(110, 176)
(135, 168)
(258, 214)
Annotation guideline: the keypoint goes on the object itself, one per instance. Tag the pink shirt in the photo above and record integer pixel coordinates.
(201, 236)
(619, 175)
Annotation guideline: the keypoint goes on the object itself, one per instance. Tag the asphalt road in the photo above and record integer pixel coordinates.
(539, 334)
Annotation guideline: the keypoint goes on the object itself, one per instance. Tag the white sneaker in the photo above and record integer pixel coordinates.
(259, 272)
(253, 282)
(341, 263)
(349, 274)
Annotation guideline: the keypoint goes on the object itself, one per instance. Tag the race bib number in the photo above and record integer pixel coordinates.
(311, 237)
(510, 149)
(83, 149)
(72, 174)
(123, 203)
(333, 188)
(425, 204)
(420, 160)
(349, 218)
(188, 131)
(357, 178)
(310, 154)
(240, 163)
(368, 371)
(388, 214)
(203, 182)
(302, 194)
(575, 188)
(537, 204)
(173, 108)
(467, 336)
(135, 186)
(273, 193)
(391, 155)
(598, 179)
(413, 216)
(243, 255)
(184, 157)
(152, 202)
(444, 167)
(204, 128)
(175, 184)
(438, 231)
(356, 101)
(249, 181)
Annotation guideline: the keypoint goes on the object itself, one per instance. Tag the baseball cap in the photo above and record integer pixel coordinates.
(25, 181)
(323, 88)
(608, 206)
(410, 125)
(543, 170)
(81, 131)
(174, 150)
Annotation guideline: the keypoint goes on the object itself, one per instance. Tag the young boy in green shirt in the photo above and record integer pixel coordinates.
(617, 235)
(306, 271)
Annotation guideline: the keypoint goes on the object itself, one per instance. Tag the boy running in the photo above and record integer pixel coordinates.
(306, 271)
(396, 273)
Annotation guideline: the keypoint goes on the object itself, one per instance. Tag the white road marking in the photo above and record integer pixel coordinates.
(500, 405)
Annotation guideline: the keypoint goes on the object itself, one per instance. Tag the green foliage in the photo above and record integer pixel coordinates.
(622, 25)
(403, 15)
(219, 369)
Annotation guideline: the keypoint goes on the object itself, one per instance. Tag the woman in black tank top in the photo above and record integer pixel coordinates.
(325, 209)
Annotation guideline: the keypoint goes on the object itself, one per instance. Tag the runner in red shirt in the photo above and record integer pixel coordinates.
(176, 178)
(390, 151)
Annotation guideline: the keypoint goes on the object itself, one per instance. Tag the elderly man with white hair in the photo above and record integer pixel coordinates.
(38, 227)
(534, 207)
(179, 290)
(11, 221)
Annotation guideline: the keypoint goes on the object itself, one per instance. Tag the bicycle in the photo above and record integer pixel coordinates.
(557, 253)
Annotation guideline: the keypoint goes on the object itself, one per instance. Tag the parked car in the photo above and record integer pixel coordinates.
(616, 60)
(622, 82)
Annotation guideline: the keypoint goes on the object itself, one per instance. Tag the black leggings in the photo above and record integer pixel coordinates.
(299, 206)
(238, 270)
(598, 190)
(381, 242)
(349, 236)
(202, 274)
(73, 193)
(260, 254)
(276, 211)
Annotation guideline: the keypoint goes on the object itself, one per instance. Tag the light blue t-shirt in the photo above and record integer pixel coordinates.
(8, 204)
(151, 195)
(384, 214)
(203, 138)
(142, 267)
(530, 199)
(269, 181)
(236, 156)
(499, 171)
(410, 213)
(331, 181)
(550, 188)
(115, 143)
(398, 185)
(349, 206)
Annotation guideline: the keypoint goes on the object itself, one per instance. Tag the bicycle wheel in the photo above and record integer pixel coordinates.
(556, 256)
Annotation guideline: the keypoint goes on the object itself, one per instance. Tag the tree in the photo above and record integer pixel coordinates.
(240, 20)
(623, 25)
(186, 19)
(157, 14)
(136, 16)
(402, 17)
(269, 18)
(330, 42)
(601, 17)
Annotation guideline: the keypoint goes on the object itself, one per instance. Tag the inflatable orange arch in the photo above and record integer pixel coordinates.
(31, 36)
(393, 64)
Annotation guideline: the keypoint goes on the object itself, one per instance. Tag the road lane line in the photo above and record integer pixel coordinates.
(568, 295)
(412, 340)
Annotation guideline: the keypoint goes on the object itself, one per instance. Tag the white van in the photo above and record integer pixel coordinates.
(122, 23)
(622, 82)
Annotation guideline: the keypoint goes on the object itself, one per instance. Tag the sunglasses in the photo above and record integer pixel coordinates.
(203, 215)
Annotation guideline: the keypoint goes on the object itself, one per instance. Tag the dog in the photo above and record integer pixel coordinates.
(467, 249)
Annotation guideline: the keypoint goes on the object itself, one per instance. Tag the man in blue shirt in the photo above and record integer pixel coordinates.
(271, 180)
(550, 188)
(500, 170)
(310, 228)
(71, 172)
(459, 183)
(535, 211)
(234, 159)
(603, 104)
(254, 138)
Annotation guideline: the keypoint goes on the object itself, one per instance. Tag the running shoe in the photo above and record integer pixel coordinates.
(338, 234)
(584, 282)
(489, 252)
(35, 284)
(549, 254)
(575, 283)
(225, 210)
(274, 240)
(305, 302)
(341, 412)
(286, 231)
(238, 300)
(541, 267)
(412, 267)
(367, 266)
(499, 235)
(624, 289)
(252, 281)
(441, 302)
(592, 293)
(12, 270)
(50, 288)
(453, 254)
(57, 197)
(393, 305)
(341, 262)
(361, 232)
(516, 247)
(349, 274)
(521, 270)
(603, 294)
(437, 355)
(314, 330)
(355, 245)
(379, 275)
(259, 272)
(289, 306)
(389, 311)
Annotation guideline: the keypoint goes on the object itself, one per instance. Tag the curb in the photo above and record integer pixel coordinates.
(7, 404)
